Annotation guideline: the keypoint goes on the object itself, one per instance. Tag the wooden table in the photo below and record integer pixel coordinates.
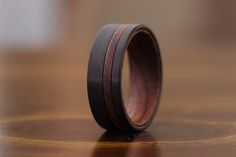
(44, 109)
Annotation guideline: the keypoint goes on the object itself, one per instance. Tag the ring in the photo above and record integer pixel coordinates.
(109, 108)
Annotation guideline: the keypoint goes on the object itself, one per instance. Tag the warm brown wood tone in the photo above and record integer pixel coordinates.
(44, 109)
(107, 73)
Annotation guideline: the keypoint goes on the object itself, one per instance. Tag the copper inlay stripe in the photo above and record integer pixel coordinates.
(107, 73)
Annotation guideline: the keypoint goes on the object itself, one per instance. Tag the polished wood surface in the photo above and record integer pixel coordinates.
(44, 109)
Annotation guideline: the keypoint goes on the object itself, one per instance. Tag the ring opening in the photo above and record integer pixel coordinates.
(141, 93)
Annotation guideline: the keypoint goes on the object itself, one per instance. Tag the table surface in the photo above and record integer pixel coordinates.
(44, 109)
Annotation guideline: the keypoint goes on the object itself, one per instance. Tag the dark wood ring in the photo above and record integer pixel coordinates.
(104, 77)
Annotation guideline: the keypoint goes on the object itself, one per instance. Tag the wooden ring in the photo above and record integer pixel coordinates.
(104, 77)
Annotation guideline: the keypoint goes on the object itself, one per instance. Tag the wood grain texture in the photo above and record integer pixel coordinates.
(44, 109)
(107, 74)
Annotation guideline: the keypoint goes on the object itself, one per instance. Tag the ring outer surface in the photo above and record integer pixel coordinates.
(95, 77)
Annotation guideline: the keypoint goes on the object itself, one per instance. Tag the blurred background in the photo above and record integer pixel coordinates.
(45, 44)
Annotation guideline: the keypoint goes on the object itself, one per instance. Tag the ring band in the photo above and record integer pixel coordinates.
(104, 77)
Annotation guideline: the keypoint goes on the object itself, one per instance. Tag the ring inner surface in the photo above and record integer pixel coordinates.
(145, 78)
